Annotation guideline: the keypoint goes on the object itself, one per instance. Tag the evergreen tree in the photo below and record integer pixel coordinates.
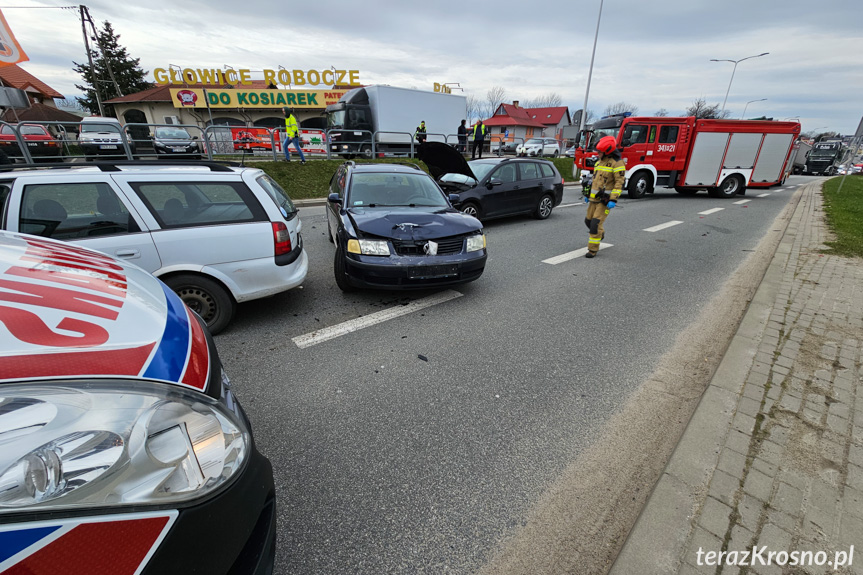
(127, 71)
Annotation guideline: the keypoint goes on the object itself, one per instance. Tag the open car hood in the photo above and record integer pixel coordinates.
(443, 159)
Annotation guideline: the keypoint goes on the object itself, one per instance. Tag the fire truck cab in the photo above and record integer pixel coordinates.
(687, 154)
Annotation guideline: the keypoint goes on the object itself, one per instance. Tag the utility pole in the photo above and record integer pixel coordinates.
(85, 15)
(102, 50)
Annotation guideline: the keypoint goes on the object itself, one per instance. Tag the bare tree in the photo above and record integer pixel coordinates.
(493, 99)
(701, 109)
(661, 113)
(620, 108)
(472, 106)
(550, 100)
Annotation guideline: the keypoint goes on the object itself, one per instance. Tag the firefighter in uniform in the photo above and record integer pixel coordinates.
(608, 175)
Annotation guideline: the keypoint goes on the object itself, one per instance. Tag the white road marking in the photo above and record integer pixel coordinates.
(662, 226)
(741, 202)
(570, 205)
(350, 326)
(762, 195)
(710, 211)
(572, 255)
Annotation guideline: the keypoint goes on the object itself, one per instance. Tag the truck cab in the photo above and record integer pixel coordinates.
(350, 126)
(822, 158)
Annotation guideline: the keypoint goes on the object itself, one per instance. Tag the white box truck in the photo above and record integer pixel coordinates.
(381, 120)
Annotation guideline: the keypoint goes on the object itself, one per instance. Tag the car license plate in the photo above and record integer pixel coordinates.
(179, 149)
(107, 147)
(425, 272)
(34, 144)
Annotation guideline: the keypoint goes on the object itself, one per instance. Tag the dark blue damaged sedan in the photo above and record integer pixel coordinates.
(394, 228)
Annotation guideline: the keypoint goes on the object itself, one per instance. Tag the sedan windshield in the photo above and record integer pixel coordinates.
(480, 168)
(394, 190)
(173, 134)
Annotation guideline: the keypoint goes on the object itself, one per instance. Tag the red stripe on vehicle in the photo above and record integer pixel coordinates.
(198, 367)
(104, 548)
(80, 363)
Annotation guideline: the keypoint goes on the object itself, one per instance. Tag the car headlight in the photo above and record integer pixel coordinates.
(369, 247)
(107, 444)
(475, 243)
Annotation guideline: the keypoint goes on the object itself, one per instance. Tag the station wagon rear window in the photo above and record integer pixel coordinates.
(189, 204)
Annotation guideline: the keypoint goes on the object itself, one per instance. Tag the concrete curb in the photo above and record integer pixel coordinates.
(657, 542)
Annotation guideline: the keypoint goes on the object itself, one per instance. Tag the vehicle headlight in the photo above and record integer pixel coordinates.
(475, 243)
(97, 444)
(369, 247)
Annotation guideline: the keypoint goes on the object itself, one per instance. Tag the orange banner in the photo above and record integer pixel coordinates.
(10, 50)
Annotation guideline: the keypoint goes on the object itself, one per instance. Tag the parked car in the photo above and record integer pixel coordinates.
(509, 147)
(216, 235)
(122, 447)
(101, 136)
(394, 228)
(539, 147)
(496, 187)
(570, 152)
(176, 141)
(40, 143)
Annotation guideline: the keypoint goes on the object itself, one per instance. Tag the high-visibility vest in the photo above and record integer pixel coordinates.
(292, 129)
(484, 130)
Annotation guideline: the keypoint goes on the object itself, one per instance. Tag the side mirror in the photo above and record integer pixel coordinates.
(493, 182)
(194, 137)
(335, 198)
(627, 143)
(454, 198)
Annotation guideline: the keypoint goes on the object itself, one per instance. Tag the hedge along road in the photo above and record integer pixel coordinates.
(517, 427)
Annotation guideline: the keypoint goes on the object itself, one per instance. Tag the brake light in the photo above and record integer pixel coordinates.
(562, 181)
(281, 238)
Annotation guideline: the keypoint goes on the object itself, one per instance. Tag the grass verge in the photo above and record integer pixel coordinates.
(845, 215)
(311, 181)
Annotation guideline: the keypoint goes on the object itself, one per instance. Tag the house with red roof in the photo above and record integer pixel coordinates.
(524, 123)
(41, 96)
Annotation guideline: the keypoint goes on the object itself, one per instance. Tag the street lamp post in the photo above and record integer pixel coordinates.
(747, 105)
(735, 62)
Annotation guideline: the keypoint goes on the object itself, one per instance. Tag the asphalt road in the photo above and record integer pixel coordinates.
(418, 444)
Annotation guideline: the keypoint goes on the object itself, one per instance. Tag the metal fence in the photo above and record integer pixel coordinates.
(81, 141)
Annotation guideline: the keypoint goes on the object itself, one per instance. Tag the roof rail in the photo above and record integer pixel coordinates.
(114, 166)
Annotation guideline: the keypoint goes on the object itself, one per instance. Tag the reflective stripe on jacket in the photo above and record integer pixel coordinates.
(608, 175)
(292, 129)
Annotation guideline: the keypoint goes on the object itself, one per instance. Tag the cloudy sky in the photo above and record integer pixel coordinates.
(651, 54)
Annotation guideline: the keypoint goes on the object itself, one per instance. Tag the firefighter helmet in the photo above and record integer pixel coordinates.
(606, 145)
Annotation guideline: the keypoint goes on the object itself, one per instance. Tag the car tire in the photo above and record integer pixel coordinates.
(556, 154)
(641, 183)
(544, 207)
(471, 209)
(365, 152)
(205, 297)
(340, 272)
(730, 187)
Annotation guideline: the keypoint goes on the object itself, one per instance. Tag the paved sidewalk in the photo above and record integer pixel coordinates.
(773, 456)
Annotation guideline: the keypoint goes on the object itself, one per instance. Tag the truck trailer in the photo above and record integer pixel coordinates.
(688, 154)
(381, 120)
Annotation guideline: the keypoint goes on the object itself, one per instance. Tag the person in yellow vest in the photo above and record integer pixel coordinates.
(420, 134)
(479, 133)
(608, 175)
(292, 136)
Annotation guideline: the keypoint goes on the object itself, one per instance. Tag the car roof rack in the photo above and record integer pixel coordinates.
(114, 166)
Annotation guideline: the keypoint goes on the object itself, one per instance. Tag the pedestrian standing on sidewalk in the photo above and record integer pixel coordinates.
(292, 136)
(608, 174)
(479, 133)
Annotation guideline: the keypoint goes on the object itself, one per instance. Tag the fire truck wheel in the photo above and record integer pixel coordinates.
(730, 187)
(639, 184)
(686, 191)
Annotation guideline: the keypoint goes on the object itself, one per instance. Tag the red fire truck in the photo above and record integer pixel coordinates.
(723, 157)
